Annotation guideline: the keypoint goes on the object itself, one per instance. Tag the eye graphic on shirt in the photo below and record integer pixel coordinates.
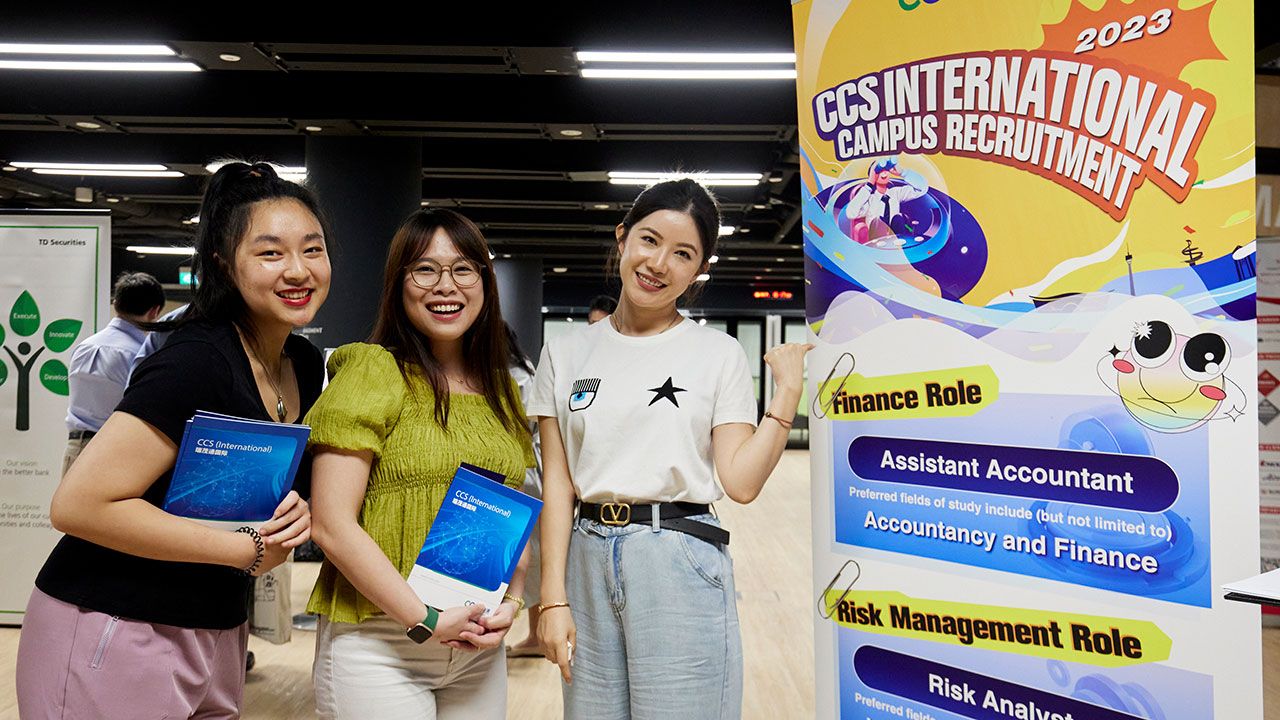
(584, 393)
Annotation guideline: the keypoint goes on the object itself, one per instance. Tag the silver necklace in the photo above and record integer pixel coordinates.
(281, 410)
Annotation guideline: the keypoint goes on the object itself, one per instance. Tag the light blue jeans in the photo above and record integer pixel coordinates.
(657, 624)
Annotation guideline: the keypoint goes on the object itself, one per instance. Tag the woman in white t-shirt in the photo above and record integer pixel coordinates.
(638, 606)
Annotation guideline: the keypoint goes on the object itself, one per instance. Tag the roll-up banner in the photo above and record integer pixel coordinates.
(1030, 270)
(54, 292)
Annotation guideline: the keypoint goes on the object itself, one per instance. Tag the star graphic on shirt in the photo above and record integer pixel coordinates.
(668, 390)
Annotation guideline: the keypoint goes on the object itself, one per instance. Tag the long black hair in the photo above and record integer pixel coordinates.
(225, 213)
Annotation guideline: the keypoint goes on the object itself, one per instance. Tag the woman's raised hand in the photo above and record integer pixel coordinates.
(787, 363)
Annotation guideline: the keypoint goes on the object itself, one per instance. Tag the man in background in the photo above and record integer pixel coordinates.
(100, 364)
(602, 306)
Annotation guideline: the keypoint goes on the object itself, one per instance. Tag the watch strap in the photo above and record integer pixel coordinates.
(423, 631)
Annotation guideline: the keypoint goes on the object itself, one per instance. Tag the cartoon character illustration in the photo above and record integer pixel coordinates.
(875, 210)
(930, 241)
(1172, 383)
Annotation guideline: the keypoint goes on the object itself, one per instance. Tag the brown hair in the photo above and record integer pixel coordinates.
(484, 344)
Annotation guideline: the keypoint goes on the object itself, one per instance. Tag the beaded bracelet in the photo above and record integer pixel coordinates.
(259, 546)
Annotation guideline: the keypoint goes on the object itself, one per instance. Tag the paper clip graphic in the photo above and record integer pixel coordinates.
(820, 409)
(827, 610)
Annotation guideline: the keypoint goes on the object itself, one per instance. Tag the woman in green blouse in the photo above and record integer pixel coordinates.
(428, 391)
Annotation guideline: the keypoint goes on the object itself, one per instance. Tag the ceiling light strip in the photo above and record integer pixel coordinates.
(685, 74)
(109, 173)
(83, 49)
(160, 250)
(102, 66)
(87, 166)
(587, 56)
(703, 181)
(647, 175)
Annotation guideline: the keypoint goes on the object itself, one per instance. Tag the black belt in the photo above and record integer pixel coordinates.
(81, 434)
(671, 515)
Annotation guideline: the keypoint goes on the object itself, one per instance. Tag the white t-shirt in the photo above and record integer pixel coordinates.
(636, 413)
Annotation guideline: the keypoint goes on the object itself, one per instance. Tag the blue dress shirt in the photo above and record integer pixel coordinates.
(100, 367)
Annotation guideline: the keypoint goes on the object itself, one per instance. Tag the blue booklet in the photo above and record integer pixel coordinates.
(475, 541)
(234, 470)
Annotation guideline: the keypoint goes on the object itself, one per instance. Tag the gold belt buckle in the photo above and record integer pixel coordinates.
(616, 514)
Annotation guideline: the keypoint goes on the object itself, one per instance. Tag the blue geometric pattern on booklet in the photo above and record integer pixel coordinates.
(480, 531)
(233, 469)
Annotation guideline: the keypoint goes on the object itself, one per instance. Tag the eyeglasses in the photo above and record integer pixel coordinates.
(426, 275)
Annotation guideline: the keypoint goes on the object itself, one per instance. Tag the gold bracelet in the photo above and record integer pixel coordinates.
(518, 601)
(784, 423)
(543, 607)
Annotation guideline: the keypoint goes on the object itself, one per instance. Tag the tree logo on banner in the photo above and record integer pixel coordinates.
(59, 336)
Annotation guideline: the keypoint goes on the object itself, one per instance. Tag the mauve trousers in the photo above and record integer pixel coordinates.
(78, 664)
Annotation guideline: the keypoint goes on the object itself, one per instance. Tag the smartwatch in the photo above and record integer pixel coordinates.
(423, 631)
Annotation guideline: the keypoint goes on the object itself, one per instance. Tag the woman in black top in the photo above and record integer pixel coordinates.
(139, 613)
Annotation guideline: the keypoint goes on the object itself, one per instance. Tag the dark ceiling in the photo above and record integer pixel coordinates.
(488, 96)
(487, 90)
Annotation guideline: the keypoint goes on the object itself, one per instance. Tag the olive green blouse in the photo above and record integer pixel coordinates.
(369, 406)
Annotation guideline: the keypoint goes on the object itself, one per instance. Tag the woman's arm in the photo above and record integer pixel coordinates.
(746, 456)
(555, 626)
(339, 479)
(100, 500)
(497, 624)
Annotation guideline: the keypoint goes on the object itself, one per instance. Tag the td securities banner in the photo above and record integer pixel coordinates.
(53, 294)
(1030, 268)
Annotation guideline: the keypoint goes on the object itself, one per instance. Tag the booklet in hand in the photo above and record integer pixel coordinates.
(233, 471)
(475, 541)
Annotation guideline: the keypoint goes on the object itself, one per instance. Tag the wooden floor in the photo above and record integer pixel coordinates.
(771, 549)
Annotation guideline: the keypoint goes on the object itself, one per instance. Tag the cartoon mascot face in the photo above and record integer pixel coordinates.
(1172, 383)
